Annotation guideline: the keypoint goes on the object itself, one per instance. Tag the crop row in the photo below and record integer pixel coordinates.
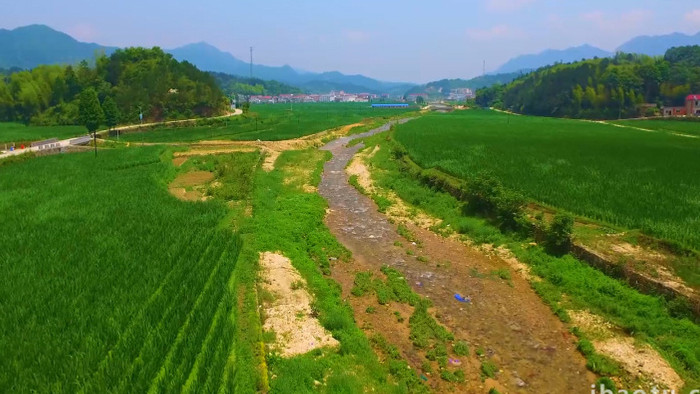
(109, 283)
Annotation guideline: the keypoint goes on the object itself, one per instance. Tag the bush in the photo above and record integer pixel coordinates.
(558, 234)
(486, 196)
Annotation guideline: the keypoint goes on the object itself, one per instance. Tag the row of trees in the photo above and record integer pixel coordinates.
(602, 88)
(134, 80)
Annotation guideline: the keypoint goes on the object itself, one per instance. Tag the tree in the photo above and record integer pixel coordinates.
(420, 100)
(111, 112)
(91, 115)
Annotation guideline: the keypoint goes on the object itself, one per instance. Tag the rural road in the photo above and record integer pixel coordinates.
(520, 334)
(67, 142)
(60, 144)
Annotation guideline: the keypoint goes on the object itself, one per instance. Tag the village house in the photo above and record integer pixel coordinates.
(692, 105)
(414, 97)
(691, 108)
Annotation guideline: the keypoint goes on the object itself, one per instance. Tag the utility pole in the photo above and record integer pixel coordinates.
(251, 62)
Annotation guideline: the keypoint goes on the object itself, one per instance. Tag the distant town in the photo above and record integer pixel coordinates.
(342, 97)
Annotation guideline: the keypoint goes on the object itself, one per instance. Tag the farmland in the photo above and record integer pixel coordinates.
(270, 123)
(20, 133)
(110, 283)
(625, 177)
(689, 127)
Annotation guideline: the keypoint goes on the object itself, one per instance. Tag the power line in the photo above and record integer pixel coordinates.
(251, 62)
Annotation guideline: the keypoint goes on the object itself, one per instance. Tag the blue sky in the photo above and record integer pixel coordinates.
(404, 40)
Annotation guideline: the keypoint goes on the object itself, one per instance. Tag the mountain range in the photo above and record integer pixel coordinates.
(644, 45)
(210, 58)
(29, 46)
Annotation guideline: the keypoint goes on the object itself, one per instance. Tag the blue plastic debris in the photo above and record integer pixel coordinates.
(459, 298)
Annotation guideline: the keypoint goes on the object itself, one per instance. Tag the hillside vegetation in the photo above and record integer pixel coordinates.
(602, 88)
(233, 85)
(442, 87)
(137, 79)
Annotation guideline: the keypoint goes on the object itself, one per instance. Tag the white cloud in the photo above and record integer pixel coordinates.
(507, 5)
(495, 32)
(693, 17)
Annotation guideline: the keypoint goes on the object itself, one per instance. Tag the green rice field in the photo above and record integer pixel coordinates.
(689, 127)
(21, 134)
(271, 122)
(110, 283)
(625, 177)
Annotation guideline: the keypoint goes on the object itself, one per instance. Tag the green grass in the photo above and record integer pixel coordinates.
(690, 127)
(624, 177)
(488, 369)
(22, 134)
(270, 123)
(109, 282)
(234, 173)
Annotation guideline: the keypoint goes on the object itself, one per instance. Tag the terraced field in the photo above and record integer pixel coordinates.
(109, 283)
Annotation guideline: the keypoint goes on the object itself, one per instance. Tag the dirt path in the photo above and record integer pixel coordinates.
(533, 349)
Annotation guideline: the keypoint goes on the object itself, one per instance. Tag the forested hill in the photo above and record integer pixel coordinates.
(602, 88)
(444, 86)
(233, 85)
(137, 79)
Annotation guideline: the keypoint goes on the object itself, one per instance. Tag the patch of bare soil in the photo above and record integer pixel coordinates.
(190, 186)
(507, 256)
(399, 210)
(641, 361)
(272, 149)
(289, 314)
(194, 178)
(179, 161)
(654, 265)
